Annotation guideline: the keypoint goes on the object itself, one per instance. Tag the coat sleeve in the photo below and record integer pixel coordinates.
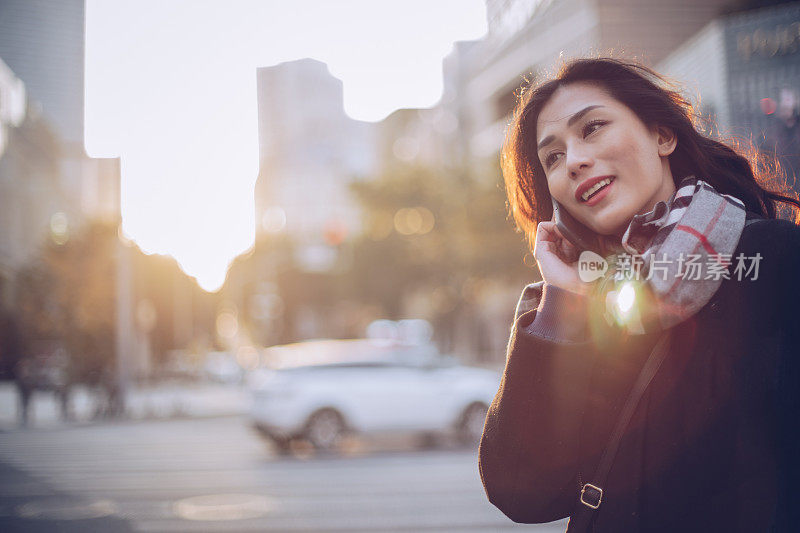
(785, 237)
(528, 456)
(776, 243)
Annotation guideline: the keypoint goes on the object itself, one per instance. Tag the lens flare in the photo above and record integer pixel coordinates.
(625, 299)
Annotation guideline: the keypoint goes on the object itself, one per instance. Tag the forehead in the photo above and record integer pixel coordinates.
(567, 101)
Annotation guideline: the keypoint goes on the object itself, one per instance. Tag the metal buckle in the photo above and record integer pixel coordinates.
(594, 495)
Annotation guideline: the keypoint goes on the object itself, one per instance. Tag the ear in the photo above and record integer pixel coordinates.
(666, 139)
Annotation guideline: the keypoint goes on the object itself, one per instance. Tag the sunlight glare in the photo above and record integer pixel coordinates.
(171, 89)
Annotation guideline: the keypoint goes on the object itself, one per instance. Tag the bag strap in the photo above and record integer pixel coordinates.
(592, 493)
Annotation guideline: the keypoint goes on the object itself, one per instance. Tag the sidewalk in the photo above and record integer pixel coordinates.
(169, 400)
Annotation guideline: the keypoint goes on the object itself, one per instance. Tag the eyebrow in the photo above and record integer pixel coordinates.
(572, 120)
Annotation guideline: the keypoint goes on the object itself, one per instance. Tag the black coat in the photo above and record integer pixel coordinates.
(714, 442)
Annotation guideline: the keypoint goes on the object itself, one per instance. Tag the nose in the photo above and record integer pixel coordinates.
(578, 160)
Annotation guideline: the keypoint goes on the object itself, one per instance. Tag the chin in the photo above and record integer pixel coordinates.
(613, 223)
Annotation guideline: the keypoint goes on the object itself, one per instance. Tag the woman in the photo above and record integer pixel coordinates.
(711, 445)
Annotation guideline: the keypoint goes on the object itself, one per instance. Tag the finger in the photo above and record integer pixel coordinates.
(542, 248)
(546, 251)
(546, 231)
(565, 247)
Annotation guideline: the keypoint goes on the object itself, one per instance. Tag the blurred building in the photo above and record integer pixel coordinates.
(30, 192)
(13, 100)
(37, 203)
(456, 72)
(43, 43)
(310, 150)
(526, 38)
(416, 137)
(50, 187)
(743, 71)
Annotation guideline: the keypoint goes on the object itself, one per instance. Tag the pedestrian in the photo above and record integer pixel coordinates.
(659, 398)
(12, 357)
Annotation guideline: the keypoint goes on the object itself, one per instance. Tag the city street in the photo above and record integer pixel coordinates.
(215, 474)
(227, 221)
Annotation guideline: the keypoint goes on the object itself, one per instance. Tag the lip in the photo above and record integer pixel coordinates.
(597, 198)
(586, 185)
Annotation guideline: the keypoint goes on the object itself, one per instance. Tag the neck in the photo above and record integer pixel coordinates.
(664, 193)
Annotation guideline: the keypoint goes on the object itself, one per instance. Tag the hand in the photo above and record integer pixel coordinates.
(558, 259)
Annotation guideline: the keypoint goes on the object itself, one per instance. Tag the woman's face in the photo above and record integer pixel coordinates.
(586, 137)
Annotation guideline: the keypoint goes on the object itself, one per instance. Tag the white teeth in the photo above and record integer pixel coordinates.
(595, 187)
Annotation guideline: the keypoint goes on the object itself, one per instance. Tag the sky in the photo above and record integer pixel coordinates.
(171, 90)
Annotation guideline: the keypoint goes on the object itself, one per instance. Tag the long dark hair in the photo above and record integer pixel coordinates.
(734, 168)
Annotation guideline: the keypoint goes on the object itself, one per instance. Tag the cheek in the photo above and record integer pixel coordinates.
(559, 187)
(629, 154)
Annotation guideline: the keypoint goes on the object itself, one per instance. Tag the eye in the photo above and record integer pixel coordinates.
(551, 158)
(593, 126)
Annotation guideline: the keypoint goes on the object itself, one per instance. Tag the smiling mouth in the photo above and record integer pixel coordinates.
(596, 188)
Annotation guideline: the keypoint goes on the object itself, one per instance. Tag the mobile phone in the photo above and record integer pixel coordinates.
(578, 234)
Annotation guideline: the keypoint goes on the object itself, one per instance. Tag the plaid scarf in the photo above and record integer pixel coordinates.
(677, 256)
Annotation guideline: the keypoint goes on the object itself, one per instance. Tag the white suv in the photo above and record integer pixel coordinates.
(320, 390)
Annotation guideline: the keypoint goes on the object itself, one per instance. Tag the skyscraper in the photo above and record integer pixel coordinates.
(43, 43)
(309, 151)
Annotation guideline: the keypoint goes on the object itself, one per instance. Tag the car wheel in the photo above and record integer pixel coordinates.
(324, 429)
(471, 426)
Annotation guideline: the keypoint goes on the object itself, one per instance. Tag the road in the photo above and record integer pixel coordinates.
(215, 474)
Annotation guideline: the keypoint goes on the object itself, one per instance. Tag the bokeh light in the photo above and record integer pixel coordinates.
(59, 228)
(274, 219)
(227, 325)
(413, 220)
(247, 357)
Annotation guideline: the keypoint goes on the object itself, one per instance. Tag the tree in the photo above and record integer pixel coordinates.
(471, 239)
(67, 294)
